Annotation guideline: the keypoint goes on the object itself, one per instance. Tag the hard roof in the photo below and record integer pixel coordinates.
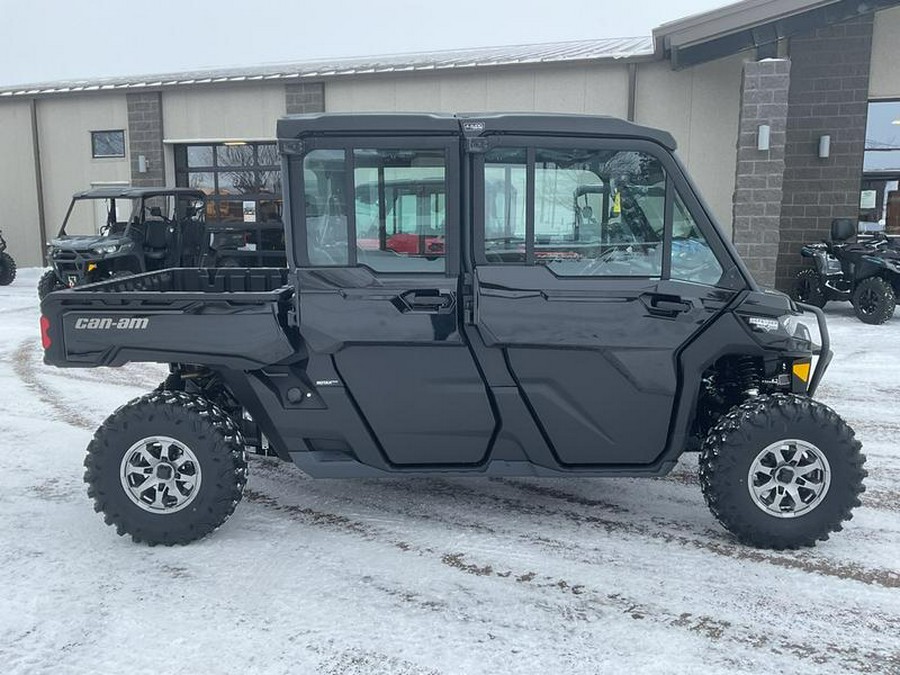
(751, 24)
(298, 126)
(455, 59)
(135, 193)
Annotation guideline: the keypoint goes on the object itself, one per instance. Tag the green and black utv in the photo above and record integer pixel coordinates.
(113, 232)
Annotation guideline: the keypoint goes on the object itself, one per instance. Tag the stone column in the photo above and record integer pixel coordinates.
(145, 138)
(759, 173)
(308, 97)
(829, 97)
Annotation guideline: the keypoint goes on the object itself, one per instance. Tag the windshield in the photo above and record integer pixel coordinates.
(99, 216)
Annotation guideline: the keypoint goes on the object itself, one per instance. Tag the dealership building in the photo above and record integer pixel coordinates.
(786, 113)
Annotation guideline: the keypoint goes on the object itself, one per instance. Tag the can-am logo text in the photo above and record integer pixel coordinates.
(125, 323)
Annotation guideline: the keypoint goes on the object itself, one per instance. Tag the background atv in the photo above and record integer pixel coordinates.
(7, 264)
(145, 229)
(866, 273)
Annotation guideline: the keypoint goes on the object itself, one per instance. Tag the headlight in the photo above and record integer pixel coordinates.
(106, 249)
(794, 331)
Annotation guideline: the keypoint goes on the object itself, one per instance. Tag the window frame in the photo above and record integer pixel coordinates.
(294, 179)
(94, 134)
(183, 172)
(676, 181)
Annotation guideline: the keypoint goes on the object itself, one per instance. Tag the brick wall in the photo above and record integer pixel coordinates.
(828, 96)
(304, 98)
(145, 137)
(758, 179)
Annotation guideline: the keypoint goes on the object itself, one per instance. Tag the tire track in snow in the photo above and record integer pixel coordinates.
(798, 561)
(708, 627)
(666, 531)
(23, 364)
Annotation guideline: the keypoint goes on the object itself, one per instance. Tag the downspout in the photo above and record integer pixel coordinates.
(38, 180)
(632, 89)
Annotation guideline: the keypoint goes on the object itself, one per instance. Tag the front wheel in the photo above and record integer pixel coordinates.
(808, 288)
(166, 468)
(7, 269)
(874, 300)
(782, 471)
(48, 283)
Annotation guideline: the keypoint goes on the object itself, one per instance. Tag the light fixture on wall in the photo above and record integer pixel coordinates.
(234, 143)
(142, 164)
(824, 146)
(762, 137)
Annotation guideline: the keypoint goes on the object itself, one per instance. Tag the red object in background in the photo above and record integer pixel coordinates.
(45, 333)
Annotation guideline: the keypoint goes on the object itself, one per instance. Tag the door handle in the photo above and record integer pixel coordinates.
(666, 305)
(426, 300)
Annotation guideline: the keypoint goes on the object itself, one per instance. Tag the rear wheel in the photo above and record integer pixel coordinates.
(48, 283)
(7, 269)
(874, 300)
(781, 471)
(808, 288)
(167, 468)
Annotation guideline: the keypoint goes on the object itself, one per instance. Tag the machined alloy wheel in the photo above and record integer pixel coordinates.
(160, 474)
(167, 468)
(781, 471)
(789, 478)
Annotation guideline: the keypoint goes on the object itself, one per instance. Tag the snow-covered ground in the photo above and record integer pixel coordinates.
(437, 575)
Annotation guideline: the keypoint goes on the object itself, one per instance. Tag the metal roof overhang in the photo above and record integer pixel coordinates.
(751, 24)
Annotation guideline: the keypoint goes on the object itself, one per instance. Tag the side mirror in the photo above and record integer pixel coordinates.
(156, 212)
(843, 229)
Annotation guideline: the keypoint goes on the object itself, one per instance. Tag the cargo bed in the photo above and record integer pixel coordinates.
(238, 319)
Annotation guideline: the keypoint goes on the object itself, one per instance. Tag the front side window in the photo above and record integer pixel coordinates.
(504, 205)
(598, 213)
(105, 144)
(692, 258)
(590, 212)
(594, 212)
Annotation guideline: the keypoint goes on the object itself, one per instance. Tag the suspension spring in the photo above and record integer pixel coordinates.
(748, 375)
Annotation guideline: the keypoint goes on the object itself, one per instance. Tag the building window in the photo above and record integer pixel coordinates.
(242, 182)
(105, 144)
(883, 137)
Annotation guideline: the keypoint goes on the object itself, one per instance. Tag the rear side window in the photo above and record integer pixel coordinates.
(383, 208)
(401, 209)
(327, 224)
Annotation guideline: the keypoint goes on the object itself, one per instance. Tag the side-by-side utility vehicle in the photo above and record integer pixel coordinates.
(571, 310)
(120, 231)
(7, 264)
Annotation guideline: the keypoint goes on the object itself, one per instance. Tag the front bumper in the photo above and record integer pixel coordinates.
(824, 353)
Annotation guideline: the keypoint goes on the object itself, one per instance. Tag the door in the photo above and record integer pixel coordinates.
(593, 269)
(378, 279)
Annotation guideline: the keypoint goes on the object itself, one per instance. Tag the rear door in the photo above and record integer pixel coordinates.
(379, 279)
(593, 269)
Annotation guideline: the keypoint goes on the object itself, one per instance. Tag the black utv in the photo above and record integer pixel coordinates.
(115, 232)
(863, 272)
(537, 340)
(7, 264)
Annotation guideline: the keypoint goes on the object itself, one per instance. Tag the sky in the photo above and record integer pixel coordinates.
(47, 40)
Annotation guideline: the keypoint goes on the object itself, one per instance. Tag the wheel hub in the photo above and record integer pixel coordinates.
(160, 474)
(789, 478)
